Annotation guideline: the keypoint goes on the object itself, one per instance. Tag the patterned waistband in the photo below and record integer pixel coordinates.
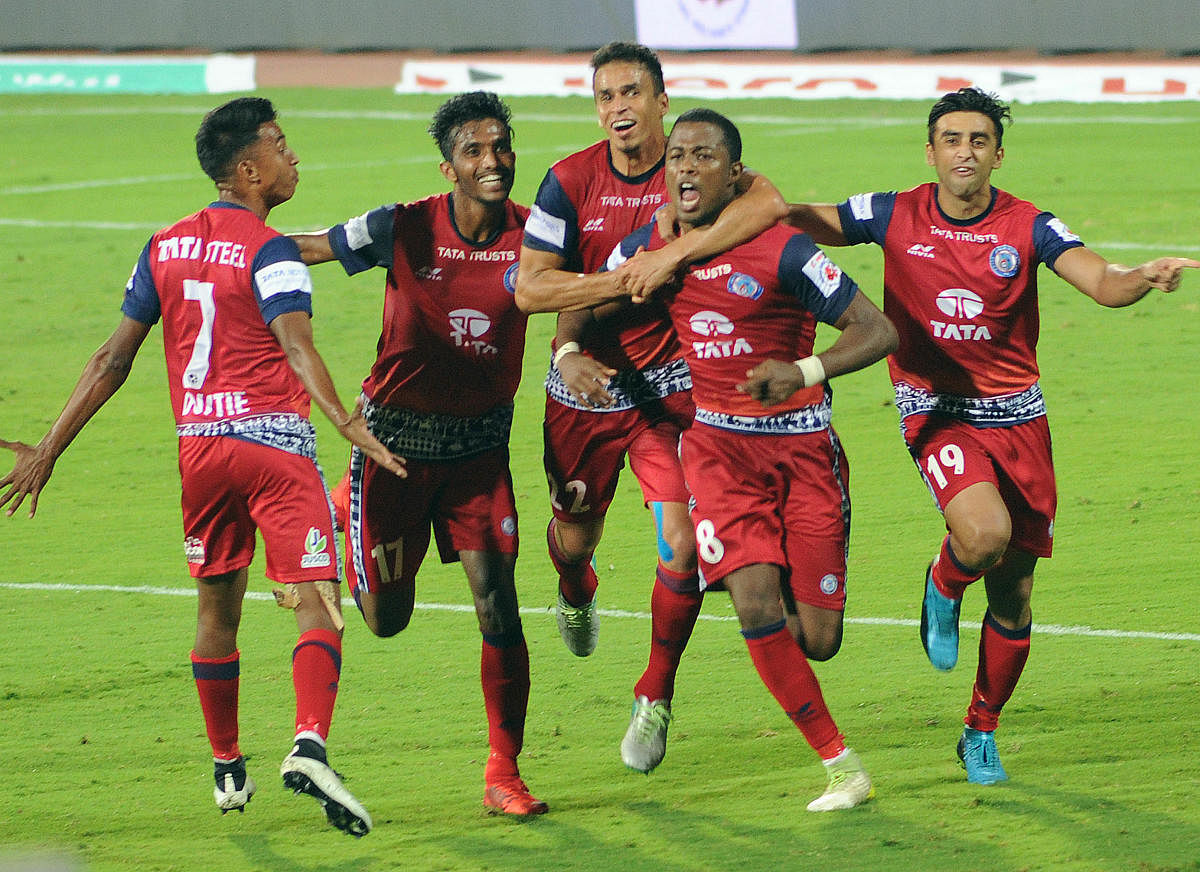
(629, 387)
(1004, 411)
(287, 432)
(429, 436)
(810, 419)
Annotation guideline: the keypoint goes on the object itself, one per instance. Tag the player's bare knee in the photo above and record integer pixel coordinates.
(981, 545)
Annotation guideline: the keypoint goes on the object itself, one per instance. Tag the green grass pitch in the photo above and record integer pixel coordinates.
(106, 764)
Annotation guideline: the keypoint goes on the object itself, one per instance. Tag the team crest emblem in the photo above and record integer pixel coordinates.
(1004, 261)
(829, 585)
(743, 285)
(510, 279)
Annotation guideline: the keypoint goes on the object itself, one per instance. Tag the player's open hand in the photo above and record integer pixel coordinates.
(646, 272)
(1166, 273)
(587, 379)
(27, 478)
(356, 431)
(772, 382)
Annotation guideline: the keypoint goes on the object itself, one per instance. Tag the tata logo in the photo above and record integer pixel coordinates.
(469, 329)
(709, 323)
(714, 326)
(960, 303)
(919, 250)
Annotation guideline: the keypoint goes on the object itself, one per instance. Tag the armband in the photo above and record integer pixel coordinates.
(565, 349)
(812, 370)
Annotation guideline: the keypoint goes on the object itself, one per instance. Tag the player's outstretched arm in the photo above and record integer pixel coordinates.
(759, 205)
(103, 375)
(867, 335)
(544, 286)
(1112, 285)
(314, 246)
(294, 332)
(818, 220)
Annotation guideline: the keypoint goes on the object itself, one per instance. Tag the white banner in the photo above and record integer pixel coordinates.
(702, 24)
(1080, 83)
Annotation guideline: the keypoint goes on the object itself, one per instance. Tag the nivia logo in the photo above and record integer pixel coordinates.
(594, 225)
(314, 546)
(960, 303)
(919, 250)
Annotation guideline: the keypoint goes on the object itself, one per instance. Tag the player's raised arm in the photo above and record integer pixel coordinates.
(758, 206)
(294, 332)
(314, 247)
(818, 220)
(544, 286)
(103, 375)
(1112, 285)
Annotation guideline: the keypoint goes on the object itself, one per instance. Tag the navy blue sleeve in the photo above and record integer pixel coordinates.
(281, 280)
(365, 241)
(141, 295)
(817, 281)
(1051, 238)
(553, 223)
(865, 217)
(628, 247)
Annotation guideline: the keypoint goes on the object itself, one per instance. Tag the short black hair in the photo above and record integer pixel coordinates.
(633, 53)
(972, 100)
(729, 132)
(227, 131)
(457, 111)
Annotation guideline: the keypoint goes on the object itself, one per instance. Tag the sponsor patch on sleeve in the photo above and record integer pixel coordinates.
(283, 277)
(861, 208)
(824, 273)
(358, 233)
(544, 226)
(1062, 230)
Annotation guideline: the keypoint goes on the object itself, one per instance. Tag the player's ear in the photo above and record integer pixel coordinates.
(999, 157)
(929, 154)
(664, 104)
(447, 169)
(735, 171)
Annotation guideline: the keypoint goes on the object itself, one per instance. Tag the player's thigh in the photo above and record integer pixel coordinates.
(389, 524)
(584, 453)
(219, 534)
(816, 518)
(735, 498)
(475, 508)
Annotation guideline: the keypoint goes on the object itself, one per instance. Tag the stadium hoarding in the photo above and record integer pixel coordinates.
(716, 24)
(1026, 83)
(104, 74)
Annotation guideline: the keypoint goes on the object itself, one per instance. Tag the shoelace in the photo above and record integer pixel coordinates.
(577, 618)
(649, 721)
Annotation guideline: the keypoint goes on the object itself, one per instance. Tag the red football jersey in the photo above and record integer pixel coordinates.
(453, 338)
(217, 278)
(582, 210)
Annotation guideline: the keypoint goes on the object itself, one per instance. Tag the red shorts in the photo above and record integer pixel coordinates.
(771, 499)
(469, 504)
(585, 452)
(232, 487)
(952, 455)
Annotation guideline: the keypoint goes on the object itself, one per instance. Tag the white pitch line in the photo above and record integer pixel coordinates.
(1041, 629)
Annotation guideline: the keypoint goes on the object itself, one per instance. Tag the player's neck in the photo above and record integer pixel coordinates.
(476, 221)
(254, 204)
(964, 208)
(638, 160)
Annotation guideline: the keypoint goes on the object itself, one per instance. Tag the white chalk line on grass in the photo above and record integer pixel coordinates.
(347, 603)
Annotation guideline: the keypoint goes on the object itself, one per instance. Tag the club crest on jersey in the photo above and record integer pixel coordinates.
(829, 584)
(469, 329)
(315, 554)
(1004, 261)
(714, 326)
(742, 285)
(510, 279)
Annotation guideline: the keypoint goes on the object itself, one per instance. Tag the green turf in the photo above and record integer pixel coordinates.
(99, 728)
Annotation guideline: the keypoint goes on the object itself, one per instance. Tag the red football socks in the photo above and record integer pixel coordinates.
(217, 683)
(674, 606)
(316, 668)
(1002, 656)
